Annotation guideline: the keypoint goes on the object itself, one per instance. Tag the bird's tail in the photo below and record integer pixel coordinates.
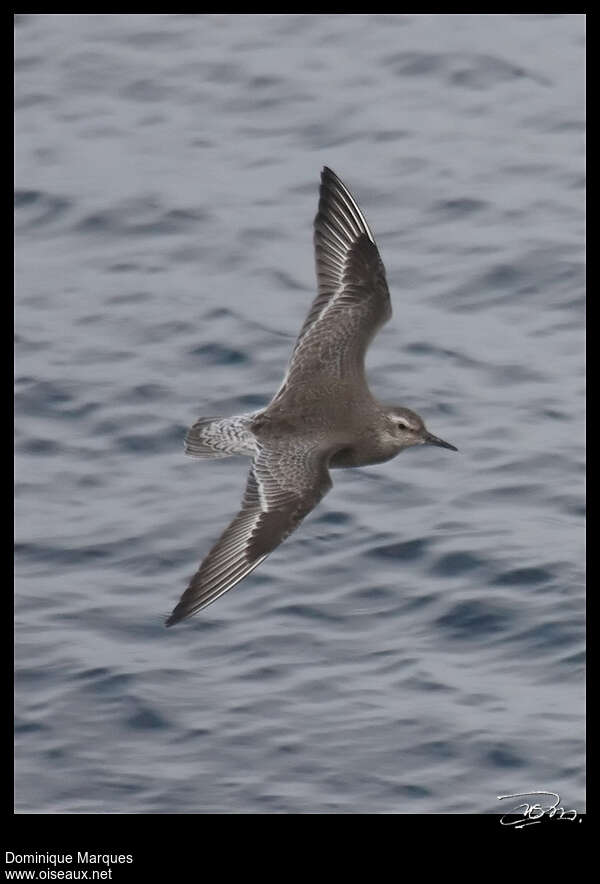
(211, 437)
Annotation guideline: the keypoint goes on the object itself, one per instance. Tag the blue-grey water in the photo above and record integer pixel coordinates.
(418, 644)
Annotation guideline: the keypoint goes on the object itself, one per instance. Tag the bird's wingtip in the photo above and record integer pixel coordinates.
(172, 619)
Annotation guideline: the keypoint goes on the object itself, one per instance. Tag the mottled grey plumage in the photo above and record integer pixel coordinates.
(323, 416)
(212, 437)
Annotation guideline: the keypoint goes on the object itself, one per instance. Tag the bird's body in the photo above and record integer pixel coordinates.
(323, 416)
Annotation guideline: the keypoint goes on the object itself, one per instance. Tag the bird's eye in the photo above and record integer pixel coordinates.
(403, 425)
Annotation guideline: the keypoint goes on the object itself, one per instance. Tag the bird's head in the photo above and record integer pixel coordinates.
(407, 429)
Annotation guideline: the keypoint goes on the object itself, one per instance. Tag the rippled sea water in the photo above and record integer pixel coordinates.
(418, 645)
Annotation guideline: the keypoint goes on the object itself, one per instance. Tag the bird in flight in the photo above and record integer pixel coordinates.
(322, 417)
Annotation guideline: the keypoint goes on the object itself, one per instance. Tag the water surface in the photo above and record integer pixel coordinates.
(417, 646)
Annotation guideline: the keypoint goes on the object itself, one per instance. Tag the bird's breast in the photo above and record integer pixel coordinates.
(363, 454)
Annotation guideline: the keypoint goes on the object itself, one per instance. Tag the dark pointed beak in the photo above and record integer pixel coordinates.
(430, 439)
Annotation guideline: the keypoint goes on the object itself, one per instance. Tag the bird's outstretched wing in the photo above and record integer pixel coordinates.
(283, 487)
(353, 300)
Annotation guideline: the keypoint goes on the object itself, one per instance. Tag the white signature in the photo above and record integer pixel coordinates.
(533, 813)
